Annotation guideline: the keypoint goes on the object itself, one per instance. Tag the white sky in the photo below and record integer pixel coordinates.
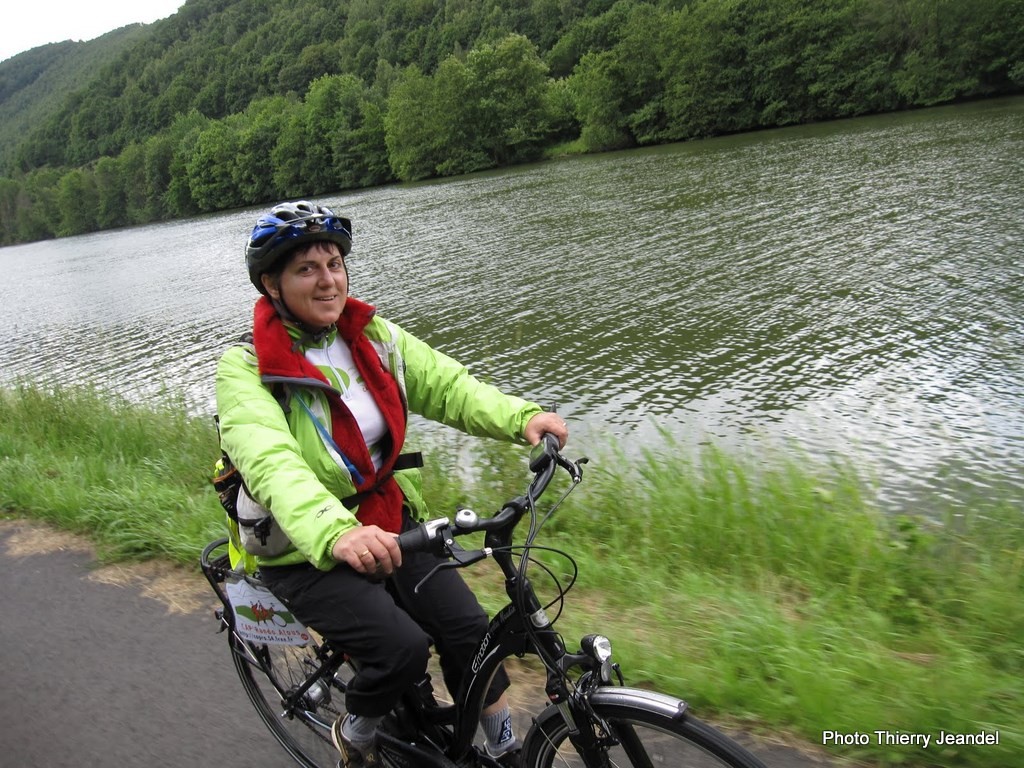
(27, 25)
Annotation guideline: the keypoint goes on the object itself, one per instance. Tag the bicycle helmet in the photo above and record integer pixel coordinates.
(288, 225)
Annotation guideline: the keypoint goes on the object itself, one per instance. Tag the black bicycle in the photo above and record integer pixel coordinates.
(590, 718)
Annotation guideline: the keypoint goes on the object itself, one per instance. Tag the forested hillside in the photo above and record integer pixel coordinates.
(33, 86)
(236, 102)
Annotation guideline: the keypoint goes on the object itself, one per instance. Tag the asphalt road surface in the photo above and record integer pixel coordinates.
(123, 666)
(96, 674)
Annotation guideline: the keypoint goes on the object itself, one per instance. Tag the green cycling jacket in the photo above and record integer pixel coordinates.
(285, 464)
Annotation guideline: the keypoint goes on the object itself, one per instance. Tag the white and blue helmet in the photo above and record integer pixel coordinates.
(288, 225)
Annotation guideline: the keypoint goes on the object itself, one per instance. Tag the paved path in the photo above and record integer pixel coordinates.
(93, 672)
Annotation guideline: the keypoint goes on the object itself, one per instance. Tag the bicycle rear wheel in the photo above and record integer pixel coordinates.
(267, 669)
(638, 735)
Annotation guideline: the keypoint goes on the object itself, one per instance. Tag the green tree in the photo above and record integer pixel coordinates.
(94, 128)
(253, 169)
(11, 202)
(358, 146)
(618, 91)
(851, 71)
(561, 111)
(185, 131)
(455, 121)
(509, 87)
(111, 209)
(410, 130)
(358, 51)
(490, 109)
(38, 217)
(325, 144)
(597, 91)
(368, 146)
(315, 61)
(326, 101)
(209, 168)
(955, 49)
(175, 100)
(641, 85)
(708, 89)
(131, 166)
(288, 155)
(77, 202)
(158, 153)
(590, 30)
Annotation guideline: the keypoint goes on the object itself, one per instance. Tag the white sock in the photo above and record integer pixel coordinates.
(498, 732)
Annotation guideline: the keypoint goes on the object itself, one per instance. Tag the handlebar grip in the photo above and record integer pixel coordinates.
(425, 537)
(415, 540)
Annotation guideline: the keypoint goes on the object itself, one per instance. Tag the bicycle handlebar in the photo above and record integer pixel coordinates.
(437, 535)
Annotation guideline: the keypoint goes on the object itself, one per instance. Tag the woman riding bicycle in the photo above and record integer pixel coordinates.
(313, 414)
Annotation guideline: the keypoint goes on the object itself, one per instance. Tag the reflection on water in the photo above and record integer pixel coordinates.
(850, 288)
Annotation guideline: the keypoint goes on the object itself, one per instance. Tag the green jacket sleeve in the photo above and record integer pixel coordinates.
(255, 433)
(442, 389)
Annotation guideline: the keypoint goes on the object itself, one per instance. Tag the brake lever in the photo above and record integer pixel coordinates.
(574, 468)
(460, 559)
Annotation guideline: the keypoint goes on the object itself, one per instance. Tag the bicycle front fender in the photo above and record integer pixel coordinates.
(622, 698)
(637, 698)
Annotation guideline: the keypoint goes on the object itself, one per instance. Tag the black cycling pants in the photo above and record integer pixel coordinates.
(390, 643)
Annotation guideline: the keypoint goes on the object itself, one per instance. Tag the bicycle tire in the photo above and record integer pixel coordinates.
(647, 730)
(306, 736)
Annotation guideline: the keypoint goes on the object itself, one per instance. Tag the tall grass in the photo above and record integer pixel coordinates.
(777, 597)
(134, 479)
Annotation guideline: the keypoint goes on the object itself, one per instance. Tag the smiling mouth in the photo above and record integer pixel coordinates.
(327, 298)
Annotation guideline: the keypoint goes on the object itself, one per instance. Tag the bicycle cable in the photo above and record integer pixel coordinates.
(561, 591)
(536, 523)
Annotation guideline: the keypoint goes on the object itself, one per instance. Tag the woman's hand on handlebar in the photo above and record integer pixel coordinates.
(546, 422)
(369, 550)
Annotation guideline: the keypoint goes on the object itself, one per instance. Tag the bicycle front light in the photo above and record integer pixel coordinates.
(597, 647)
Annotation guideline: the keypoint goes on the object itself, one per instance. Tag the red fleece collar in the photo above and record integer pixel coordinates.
(274, 344)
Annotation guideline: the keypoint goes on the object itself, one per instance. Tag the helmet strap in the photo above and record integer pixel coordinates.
(308, 334)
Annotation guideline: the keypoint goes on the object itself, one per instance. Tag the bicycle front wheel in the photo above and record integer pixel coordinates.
(270, 671)
(639, 729)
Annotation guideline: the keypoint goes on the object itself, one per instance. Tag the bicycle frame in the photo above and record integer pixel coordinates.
(506, 636)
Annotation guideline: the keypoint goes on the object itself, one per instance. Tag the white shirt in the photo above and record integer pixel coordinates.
(341, 371)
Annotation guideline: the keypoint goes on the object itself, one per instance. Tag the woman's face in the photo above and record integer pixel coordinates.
(313, 284)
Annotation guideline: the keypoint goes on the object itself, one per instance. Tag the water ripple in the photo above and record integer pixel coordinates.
(854, 288)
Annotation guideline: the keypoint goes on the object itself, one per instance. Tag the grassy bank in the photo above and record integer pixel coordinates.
(779, 598)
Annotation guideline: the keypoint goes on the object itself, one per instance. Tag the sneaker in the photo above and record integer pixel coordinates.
(510, 758)
(351, 755)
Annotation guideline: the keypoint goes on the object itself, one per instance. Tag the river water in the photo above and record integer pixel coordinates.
(850, 289)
